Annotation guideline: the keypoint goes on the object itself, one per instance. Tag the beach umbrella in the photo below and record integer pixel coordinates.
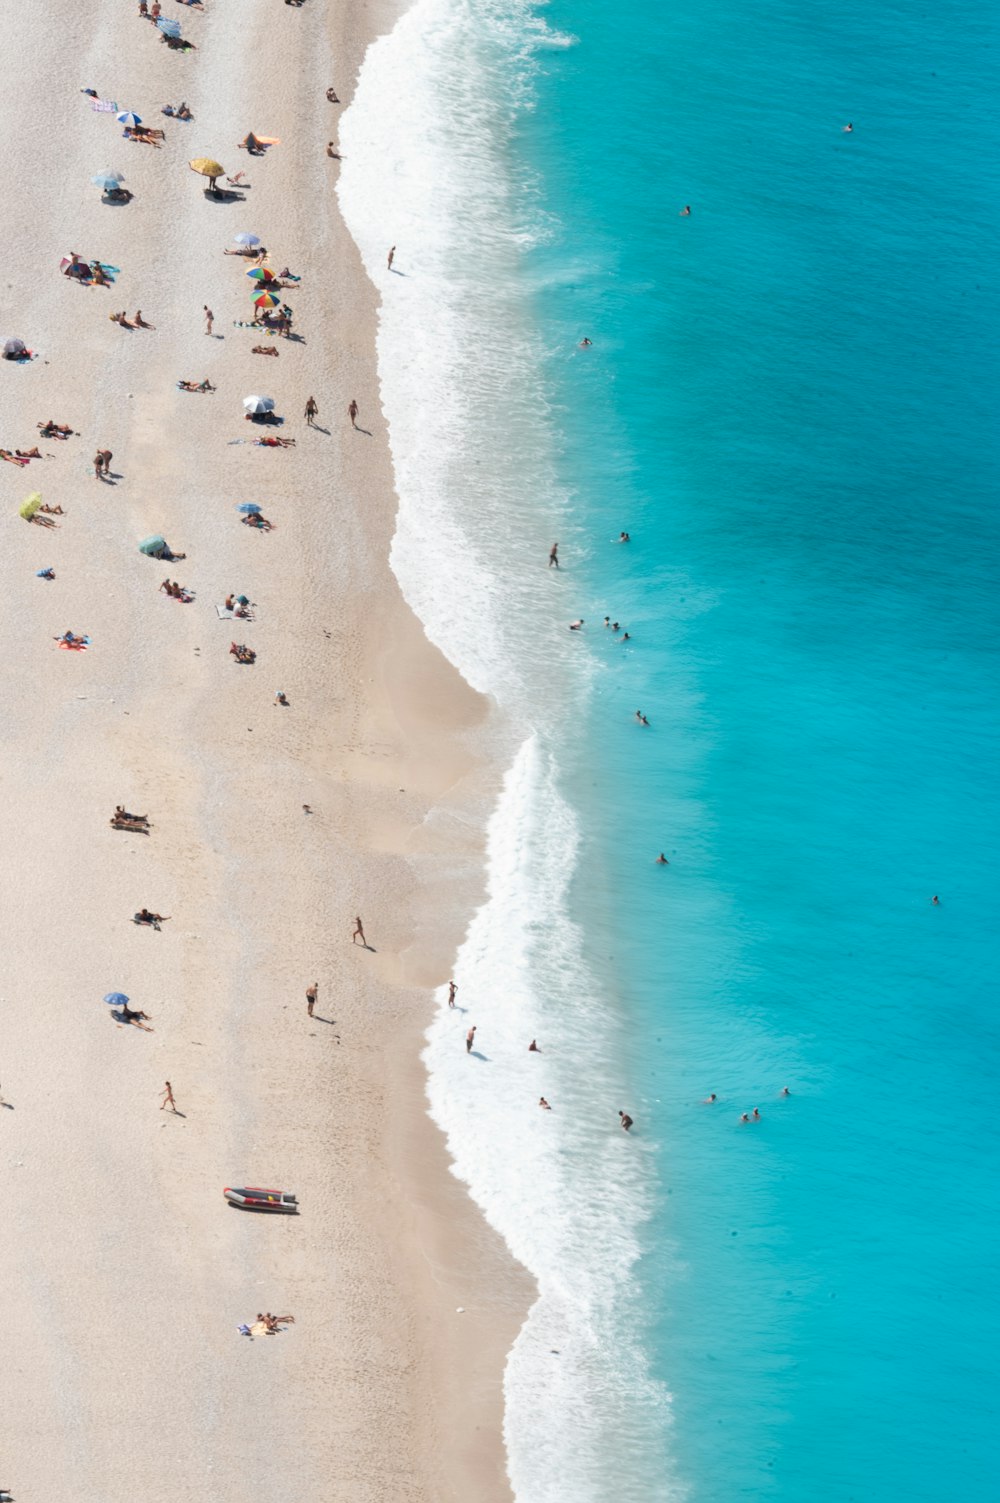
(30, 506)
(249, 508)
(207, 167)
(14, 346)
(116, 999)
(258, 404)
(266, 300)
(260, 274)
(168, 27)
(126, 117)
(246, 239)
(107, 181)
(154, 546)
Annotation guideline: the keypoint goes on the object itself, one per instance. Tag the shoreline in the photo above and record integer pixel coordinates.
(370, 1387)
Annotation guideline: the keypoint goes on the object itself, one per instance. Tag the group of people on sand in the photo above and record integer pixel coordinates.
(137, 322)
(94, 274)
(175, 591)
(21, 456)
(49, 429)
(242, 653)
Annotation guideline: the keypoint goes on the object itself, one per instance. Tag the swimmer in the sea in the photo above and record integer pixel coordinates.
(785, 1091)
(848, 127)
(640, 717)
(533, 1048)
(935, 901)
(623, 537)
(626, 1121)
(585, 343)
(756, 1115)
(710, 1099)
(745, 1117)
(685, 211)
(661, 860)
(624, 637)
(543, 1103)
(576, 625)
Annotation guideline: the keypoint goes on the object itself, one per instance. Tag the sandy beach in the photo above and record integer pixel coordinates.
(125, 1275)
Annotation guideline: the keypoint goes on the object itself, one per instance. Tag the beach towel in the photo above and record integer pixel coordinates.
(105, 106)
(75, 646)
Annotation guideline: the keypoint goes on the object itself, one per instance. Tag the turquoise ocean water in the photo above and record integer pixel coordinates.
(789, 405)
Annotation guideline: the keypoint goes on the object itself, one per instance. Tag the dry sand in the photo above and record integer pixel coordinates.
(123, 1273)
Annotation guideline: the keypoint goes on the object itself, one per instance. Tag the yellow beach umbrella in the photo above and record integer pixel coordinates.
(30, 506)
(207, 167)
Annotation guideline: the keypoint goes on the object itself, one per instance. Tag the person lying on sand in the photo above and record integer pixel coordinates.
(264, 349)
(139, 322)
(34, 453)
(144, 916)
(195, 386)
(71, 639)
(120, 318)
(242, 653)
(139, 1019)
(251, 144)
(98, 275)
(256, 520)
(122, 813)
(12, 458)
(275, 443)
(53, 511)
(180, 113)
(49, 429)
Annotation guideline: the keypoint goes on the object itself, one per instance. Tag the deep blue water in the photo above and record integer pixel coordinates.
(790, 405)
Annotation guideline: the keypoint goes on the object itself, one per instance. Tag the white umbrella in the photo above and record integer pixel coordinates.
(258, 404)
(246, 239)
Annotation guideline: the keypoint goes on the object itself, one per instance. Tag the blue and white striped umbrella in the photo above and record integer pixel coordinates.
(128, 117)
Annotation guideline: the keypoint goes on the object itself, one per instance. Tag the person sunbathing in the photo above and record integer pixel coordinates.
(275, 443)
(138, 1018)
(12, 458)
(98, 275)
(26, 454)
(256, 520)
(136, 819)
(139, 322)
(120, 318)
(144, 916)
(49, 573)
(195, 386)
(242, 653)
(53, 511)
(251, 144)
(49, 429)
(71, 640)
(264, 349)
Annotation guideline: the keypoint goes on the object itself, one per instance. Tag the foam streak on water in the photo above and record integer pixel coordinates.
(427, 165)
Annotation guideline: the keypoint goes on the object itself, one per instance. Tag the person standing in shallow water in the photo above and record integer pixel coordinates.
(452, 989)
(470, 1039)
(626, 1121)
(554, 556)
(390, 258)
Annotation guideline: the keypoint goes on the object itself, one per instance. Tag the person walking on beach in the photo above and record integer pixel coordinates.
(452, 989)
(554, 556)
(209, 318)
(312, 411)
(391, 257)
(106, 458)
(359, 931)
(626, 1121)
(98, 464)
(470, 1039)
(168, 1099)
(352, 413)
(312, 992)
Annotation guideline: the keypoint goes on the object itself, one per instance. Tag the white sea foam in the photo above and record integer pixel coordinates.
(428, 166)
